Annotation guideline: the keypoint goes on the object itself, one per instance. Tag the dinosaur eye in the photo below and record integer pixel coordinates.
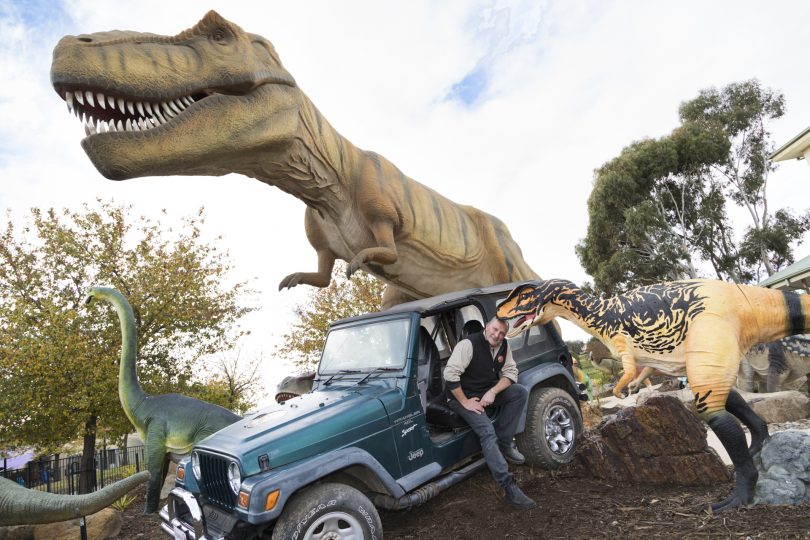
(219, 35)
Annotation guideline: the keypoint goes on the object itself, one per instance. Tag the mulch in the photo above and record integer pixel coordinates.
(570, 504)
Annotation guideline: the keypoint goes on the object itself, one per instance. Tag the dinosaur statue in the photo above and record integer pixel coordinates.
(294, 385)
(169, 424)
(775, 364)
(602, 359)
(700, 328)
(22, 506)
(214, 100)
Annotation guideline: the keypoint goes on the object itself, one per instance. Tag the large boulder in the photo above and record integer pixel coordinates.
(777, 407)
(784, 469)
(101, 525)
(659, 442)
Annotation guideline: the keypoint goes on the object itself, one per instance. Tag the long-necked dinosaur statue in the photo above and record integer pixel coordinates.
(214, 100)
(699, 328)
(169, 424)
(21, 506)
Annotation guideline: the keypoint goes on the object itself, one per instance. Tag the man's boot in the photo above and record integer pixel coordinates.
(512, 455)
(515, 497)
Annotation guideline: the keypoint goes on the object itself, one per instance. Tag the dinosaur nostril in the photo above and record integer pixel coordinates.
(86, 39)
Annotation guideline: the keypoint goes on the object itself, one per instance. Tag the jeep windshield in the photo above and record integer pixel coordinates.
(366, 347)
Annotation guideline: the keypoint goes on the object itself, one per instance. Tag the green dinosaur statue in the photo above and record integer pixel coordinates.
(21, 506)
(169, 424)
(214, 100)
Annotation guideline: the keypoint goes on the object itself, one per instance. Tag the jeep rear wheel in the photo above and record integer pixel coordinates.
(329, 512)
(553, 422)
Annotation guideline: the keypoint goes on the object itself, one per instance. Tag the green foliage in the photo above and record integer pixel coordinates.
(59, 357)
(659, 210)
(122, 503)
(575, 346)
(343, 298)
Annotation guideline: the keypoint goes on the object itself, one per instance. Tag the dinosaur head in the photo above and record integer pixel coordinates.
(185, 104)
(527, 304)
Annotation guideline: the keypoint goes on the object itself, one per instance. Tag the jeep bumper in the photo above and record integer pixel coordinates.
(184, 518)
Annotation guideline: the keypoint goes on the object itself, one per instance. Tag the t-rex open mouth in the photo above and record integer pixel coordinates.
(102, 112)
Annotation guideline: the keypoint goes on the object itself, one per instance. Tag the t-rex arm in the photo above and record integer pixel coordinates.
(167, 423)
(214, 100)
(21, 506)
(700, 328)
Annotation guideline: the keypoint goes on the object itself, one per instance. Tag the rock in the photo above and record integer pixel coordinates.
(784, 469)
(774, 407)
(659, 442)
(101, 525)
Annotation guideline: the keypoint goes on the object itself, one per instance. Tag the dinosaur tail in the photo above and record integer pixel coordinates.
(21, 506)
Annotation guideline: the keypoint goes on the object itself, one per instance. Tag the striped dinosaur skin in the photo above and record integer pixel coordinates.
(222, 102)
(169, 424)
(775, 364)
(698, 327)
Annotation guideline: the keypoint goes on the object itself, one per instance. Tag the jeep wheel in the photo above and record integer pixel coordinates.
(329, 512)
(553, 422)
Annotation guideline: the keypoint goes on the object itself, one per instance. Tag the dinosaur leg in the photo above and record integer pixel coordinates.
(394, 296)
(629, 365)
(711, 376)
(737, 406)
(156, 464)
(385, 252)
(777, 365)
(643, 376)
(326, 259)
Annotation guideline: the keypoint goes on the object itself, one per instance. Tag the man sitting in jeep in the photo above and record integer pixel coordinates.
(479, 374)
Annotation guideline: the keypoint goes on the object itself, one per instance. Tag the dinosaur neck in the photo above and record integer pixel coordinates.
(578, 307)
(315, 166)
(129, 388)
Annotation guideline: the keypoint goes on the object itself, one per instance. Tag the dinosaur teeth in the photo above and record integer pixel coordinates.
(69, 101)
(168, 109)
(111, 101)
(80, 97)
(131, 108)
(89, 95)
(100, 98)
(148, 107)
(139, 106)
(174, 107)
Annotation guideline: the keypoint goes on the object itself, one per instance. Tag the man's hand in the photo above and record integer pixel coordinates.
(488, 398)
(474, 405)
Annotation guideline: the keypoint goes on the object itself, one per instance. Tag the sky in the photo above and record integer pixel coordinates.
(508, 106)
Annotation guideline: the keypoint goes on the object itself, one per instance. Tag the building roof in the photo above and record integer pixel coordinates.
(794, 148)
(795, 276)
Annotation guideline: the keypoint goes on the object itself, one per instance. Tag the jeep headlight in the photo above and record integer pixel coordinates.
(195, 466)
(234, 477)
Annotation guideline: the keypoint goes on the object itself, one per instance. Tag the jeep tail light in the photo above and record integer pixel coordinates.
(272, 499)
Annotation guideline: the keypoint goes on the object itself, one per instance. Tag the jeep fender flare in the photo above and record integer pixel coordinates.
(542, 374)
(301, 474)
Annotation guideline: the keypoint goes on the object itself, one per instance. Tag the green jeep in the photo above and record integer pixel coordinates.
(375, 432)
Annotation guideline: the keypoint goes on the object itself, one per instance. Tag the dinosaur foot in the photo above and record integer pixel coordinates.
(732, 503)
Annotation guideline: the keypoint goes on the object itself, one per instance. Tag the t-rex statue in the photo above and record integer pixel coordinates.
(214, 100)
(22, 506)
(169, 424)
(294, 385)
(700, 328)
(775, 364)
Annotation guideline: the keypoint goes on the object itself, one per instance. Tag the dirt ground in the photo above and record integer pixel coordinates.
(570, 505)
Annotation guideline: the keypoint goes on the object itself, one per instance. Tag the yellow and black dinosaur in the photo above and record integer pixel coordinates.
(700, 328)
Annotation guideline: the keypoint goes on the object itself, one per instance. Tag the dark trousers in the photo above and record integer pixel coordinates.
(512, 402)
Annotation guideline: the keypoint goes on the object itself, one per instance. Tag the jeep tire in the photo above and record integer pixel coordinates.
(323, 508)
(553, 423)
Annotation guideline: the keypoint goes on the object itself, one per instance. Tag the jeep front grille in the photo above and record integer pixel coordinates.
(214, 484)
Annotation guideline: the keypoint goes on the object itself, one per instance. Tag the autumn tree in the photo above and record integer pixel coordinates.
(59, 357)
(234, 383)
(660, 210)
(344, 297)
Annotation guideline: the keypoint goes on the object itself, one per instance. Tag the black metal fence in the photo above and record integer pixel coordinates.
(61, 475)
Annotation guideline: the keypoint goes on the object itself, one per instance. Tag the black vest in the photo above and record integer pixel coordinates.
(484, 372)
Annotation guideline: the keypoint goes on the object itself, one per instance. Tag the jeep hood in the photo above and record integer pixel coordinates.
(301, 427)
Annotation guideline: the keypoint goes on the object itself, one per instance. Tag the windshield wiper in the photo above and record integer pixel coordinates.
(375, 370)
(340, 372)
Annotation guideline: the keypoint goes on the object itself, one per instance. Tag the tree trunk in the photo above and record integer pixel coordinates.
(87, 478)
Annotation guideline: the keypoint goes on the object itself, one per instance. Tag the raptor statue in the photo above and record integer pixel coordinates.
(214, 100)
(21, 506)
(700, 328)
(169, 424)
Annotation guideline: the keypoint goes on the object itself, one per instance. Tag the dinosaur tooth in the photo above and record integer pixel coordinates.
(139, 105)
(80, 97)
(69, 101)
(120, 125)
(168, 109)
(111, 101)
(173, 103)
(147, 107)
(101, 101)
(131, 108)
(128, 125)
(89, 95)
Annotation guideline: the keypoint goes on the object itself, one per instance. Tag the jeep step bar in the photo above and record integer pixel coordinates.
(428, 491)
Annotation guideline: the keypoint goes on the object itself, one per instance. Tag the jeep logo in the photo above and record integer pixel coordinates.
(415, 454)
(212, 515)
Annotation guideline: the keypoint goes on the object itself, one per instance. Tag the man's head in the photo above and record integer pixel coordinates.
(495, 331)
